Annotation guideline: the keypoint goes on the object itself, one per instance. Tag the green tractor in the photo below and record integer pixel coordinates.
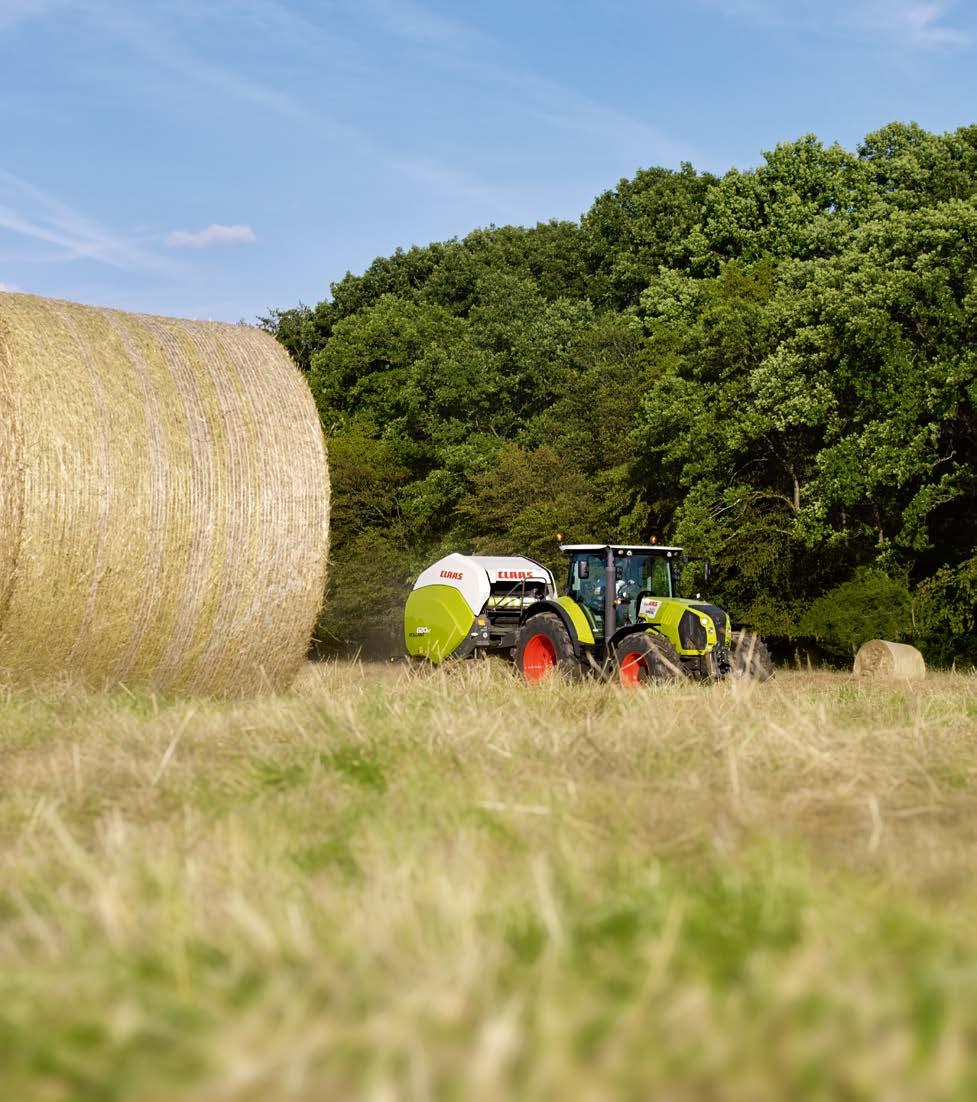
(619, 618)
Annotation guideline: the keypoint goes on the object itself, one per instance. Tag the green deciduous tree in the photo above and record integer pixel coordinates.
(777, 368)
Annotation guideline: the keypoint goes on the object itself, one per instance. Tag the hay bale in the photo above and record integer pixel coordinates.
(882, 659)
(164, 501)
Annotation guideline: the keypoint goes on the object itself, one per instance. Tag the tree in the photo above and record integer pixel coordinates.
(776, 368)
(640, 227)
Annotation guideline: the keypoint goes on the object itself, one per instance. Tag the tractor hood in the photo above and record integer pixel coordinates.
(692, 624)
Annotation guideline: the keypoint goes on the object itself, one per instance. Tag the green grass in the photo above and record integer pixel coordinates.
(390, 884)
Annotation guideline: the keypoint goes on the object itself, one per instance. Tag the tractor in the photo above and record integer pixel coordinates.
(619, 617)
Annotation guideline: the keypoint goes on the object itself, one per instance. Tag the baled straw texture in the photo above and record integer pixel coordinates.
(880, 658)
(164, 501)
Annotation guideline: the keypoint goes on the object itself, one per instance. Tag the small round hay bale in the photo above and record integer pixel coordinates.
(164, 501)
(882, 659)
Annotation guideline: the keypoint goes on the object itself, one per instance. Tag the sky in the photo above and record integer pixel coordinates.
(215, 158)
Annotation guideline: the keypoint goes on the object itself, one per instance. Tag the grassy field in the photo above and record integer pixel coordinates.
(396, 884)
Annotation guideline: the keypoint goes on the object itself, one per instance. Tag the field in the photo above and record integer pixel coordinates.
(396, 884)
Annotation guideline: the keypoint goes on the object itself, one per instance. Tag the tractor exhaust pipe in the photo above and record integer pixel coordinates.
(610, 595)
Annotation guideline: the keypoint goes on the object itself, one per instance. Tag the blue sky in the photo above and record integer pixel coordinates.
(212, 158)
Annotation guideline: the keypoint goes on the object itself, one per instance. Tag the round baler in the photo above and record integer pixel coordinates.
(468, 604)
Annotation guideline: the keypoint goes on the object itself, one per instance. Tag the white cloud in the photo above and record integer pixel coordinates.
(8, 288)
(29, 211)
(16, 11)
(918, 24)
(414, 22)
(494, 202)
(647, 142)
(161, 47)
(214, 236)
(475, 53)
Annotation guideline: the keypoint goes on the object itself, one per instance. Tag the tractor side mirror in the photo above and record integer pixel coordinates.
(706, 570)
(583, 569)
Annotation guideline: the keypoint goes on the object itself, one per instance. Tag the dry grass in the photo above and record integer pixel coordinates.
(163, 501)
(391, 884)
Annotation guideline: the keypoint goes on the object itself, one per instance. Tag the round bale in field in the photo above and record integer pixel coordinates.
(164, 501)
(882, 659)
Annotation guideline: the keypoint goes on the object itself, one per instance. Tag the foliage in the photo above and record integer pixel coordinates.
(946, 611)
(870, 605)
(776, 368)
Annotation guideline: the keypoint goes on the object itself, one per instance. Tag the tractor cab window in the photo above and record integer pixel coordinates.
(639, 574)
(587, 585)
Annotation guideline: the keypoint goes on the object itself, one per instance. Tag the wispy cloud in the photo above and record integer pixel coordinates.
(410, 20)
(153, 38)
(468, 49)
(214, 236)
(8, 288)
(170, 45)
(28, 211)
(153, 43)
(604, 124)
(916, 24)
(17, 11)
(494, 202)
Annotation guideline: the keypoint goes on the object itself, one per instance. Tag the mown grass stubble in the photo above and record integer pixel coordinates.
(391, 883)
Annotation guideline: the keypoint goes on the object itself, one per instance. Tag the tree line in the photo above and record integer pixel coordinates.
(775, 368)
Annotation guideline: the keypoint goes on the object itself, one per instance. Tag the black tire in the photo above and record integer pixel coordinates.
(749, 656)
(647, 656)
(543, 646)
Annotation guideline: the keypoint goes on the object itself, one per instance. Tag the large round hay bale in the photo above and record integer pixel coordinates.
(164, 501)
(882, 659)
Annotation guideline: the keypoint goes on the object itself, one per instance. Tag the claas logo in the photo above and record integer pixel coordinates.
(516, 575)
(454, 575)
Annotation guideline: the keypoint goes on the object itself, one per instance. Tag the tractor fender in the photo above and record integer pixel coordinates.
(631, 629)
(557, 610)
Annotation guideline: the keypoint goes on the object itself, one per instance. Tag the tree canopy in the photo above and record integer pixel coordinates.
(776, 368)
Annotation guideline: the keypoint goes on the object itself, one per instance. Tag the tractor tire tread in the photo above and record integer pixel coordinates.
(664, 660)
(757, 664)
(567, 663)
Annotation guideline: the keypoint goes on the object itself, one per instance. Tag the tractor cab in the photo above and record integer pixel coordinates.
(621, 583)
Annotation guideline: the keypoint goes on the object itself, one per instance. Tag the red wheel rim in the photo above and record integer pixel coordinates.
(634, 669)
(538, 658)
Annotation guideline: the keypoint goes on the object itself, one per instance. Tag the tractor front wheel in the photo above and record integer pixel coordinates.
(647, 656)
(543, 646)
(749, 656)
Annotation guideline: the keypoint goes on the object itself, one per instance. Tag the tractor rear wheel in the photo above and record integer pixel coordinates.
(749, 656)
(647, 656)
(543, 646)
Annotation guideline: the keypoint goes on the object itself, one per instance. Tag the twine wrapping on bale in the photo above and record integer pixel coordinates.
(164, 501)
(880, 658)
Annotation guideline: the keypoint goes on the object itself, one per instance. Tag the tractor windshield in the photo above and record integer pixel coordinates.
(640, 574)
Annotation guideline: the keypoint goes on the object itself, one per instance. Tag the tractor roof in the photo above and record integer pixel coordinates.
(618, 547)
